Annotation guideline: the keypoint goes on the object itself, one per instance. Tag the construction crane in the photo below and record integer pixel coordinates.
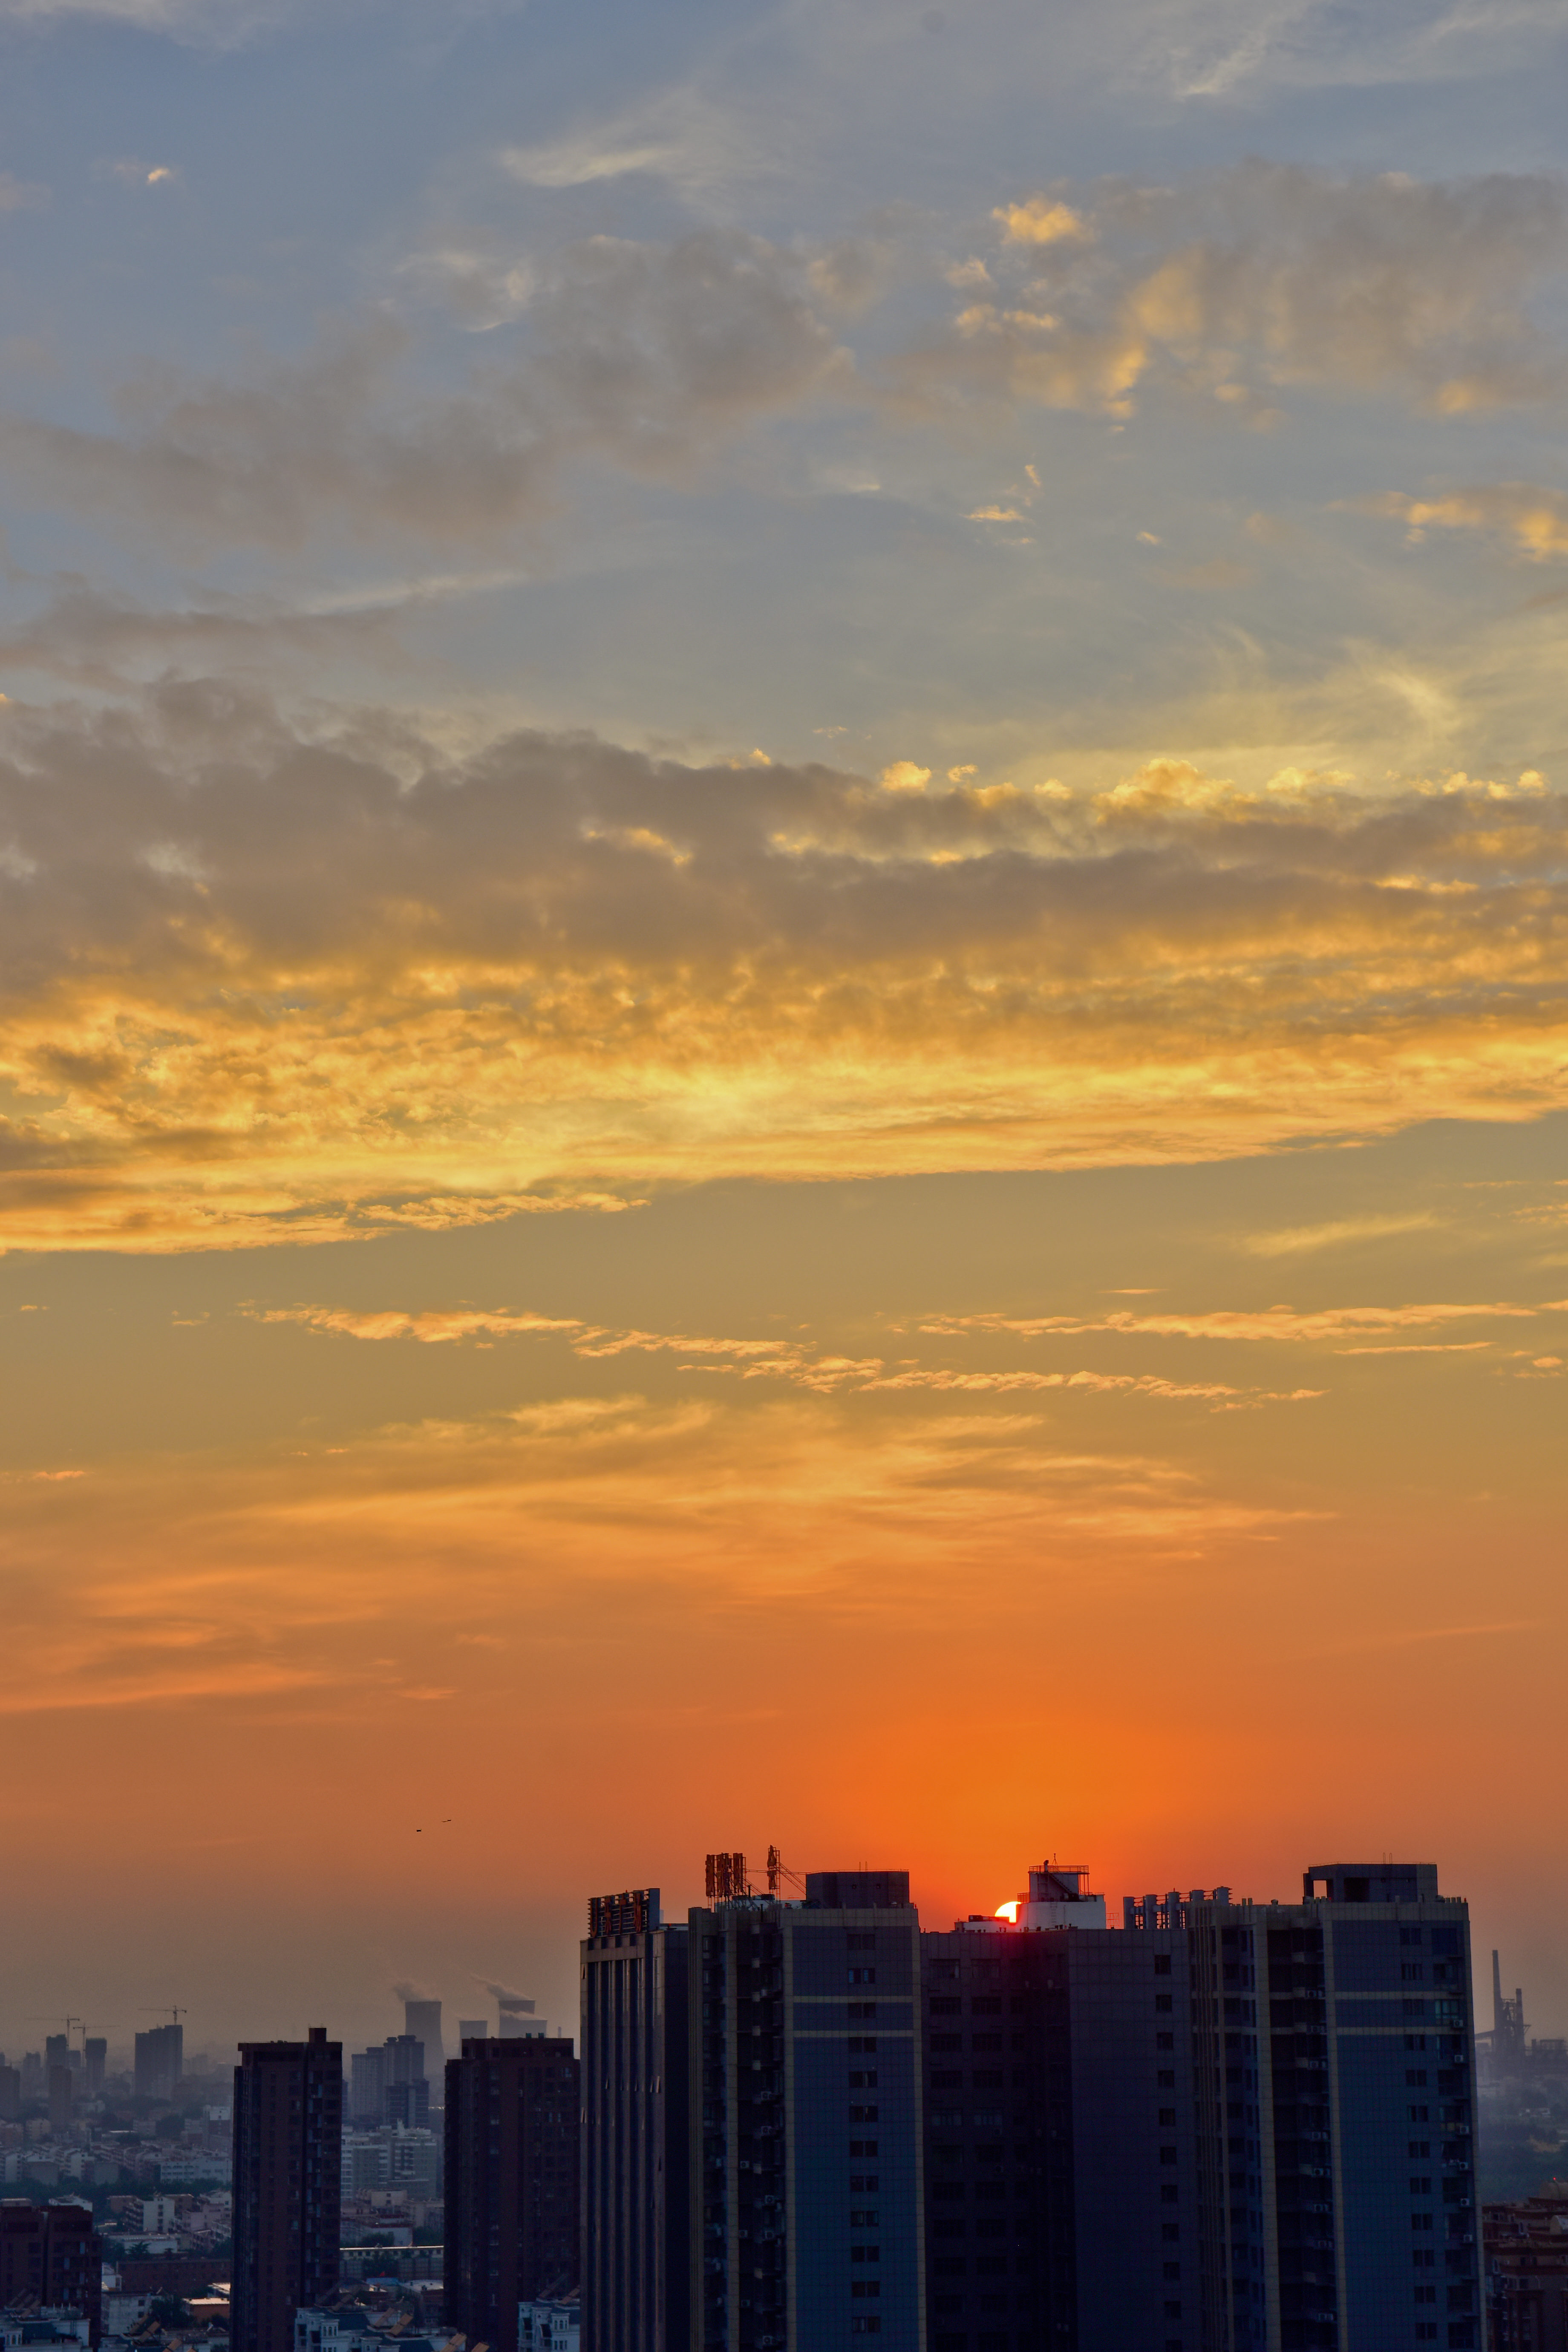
(153, 2009)
(66, 2021)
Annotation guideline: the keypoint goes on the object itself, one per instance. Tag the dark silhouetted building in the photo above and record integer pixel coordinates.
(389, 2084)
(10, 2093)
(806, 2191)
(95, 2057)
(160, 2061)
(512, 2196)
(636, 2251)
(52, 2252)
(287, 2134)
(62, 2097)
(1226, 2127)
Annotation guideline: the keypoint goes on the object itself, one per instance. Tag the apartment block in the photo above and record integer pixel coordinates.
(635, 2285)
(288, 2142)
(806, 2146)
(512, 2195)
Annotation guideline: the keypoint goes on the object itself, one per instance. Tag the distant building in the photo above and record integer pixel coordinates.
(95, 2058)
(512, 2192)
(422, 2023)
(1526, 2250)
(471, 2029)
(62, 2097)
(808, 2225)
(160, 2061)
(287, 2133)
(389, 2084)
(52, 2251)
(10, 2093)
(636, 2288)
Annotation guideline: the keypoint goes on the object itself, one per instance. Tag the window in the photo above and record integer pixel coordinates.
(865, 2286)
(864, 2042)
(1173, 2269)
(872, 2326)
(1170, 2194)
(1421, 2220)
(1173, 2311)
(1425, 2295)
(863, 2079)
(1161, 1964)
(1164, 2042)
(945, 2004)
(1420, 2147)
(862, 1976)
(1412, 1972)
(1426, 2331)
(987, 2004)
(1424, 2258)
(1168, 2115)
(865, 2217)
(1415, 2078)
(862, 2115)
(1170, 2231)
(1415, 2042)
(862, 1939)
(947, 2041)
(862, 2009)
(1411, 1935)
(1420, 2115)
(1166, 2080)
(1167, 2156)
(863, 2184)
(865, 2253)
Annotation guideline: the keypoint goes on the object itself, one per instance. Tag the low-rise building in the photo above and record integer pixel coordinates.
(553, 2325)
(1526, 2246)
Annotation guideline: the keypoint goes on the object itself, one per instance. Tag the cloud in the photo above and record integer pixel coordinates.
(1535, 521)
(1294, 1240)
(650, 357)
(20, 196)
(264, 979)
(1273, 1323)
(696, 142)
(801, 1363)
(1259, 279)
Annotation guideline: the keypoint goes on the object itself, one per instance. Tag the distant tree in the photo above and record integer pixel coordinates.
(169, 2128)
(169, 2311)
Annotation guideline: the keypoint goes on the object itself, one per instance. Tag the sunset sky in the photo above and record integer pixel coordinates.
(783, 970)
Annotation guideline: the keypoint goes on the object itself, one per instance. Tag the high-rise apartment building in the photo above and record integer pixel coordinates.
(95, 2056)
(52, 2251)
(62, 2097)
(637, 2250)
(512, 2189)
(1226, 2127)
(806, 2188)
(287, 2134)
(160, 2061)
(10, 2093)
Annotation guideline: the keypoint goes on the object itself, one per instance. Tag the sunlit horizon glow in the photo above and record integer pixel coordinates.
(783, 871)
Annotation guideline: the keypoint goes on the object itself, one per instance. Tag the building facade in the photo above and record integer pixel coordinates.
(288, 2155)
(512, 2195)
(806, 2148)
(637, 2257)
(160, 2061)
(52, 2252)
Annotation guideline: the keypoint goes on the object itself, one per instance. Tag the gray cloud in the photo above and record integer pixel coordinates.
(649, 356)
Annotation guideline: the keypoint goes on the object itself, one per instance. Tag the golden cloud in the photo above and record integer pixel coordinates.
(257, 985)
